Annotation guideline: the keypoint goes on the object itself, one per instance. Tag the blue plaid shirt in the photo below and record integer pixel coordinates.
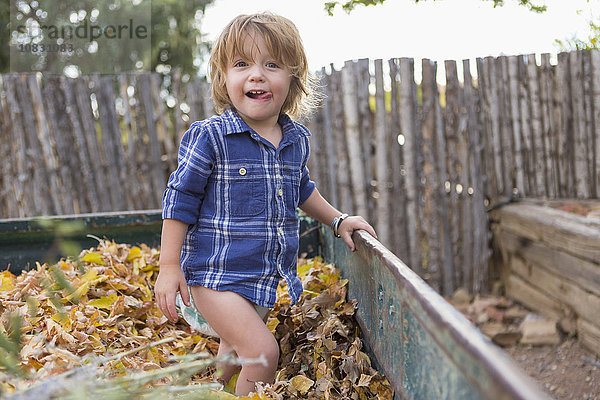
(239, 194)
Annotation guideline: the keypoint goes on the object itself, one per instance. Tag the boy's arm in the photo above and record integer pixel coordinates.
(320, 209)
(170, 277)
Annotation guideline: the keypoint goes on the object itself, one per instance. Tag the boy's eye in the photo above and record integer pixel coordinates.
(272, 65)
(240, 64)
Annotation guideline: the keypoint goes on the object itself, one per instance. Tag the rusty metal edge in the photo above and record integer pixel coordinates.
(509, 380)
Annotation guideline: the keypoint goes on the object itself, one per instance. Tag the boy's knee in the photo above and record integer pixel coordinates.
(272, 352)
(266, 347)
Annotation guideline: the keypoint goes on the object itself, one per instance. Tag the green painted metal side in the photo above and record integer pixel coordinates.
(425, 347)
(23, 241)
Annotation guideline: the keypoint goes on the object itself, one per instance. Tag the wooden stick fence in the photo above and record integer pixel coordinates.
(420, 161)
(423, 162)
(96, 143)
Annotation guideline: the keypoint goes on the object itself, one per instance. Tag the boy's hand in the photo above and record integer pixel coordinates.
(351, 224)
(170, 281)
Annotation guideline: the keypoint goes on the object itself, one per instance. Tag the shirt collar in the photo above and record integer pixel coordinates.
(290, 129)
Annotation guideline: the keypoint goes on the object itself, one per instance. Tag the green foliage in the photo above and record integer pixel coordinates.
(10, 346)
(174, 35)
(350, 5)
(592, 41)
(177, 40)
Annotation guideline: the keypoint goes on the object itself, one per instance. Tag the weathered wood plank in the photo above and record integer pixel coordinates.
(548, 130)
(8, 189)
(588, 334)
(579, 172)
(178, 117)
(398, 171)
(494, 138)
(341, 147)
(587, 125)
(158, 177)
(595, 71)
(39, 175)
(452, 178)
(111, 140)
(571, 233)
(47, 151)
(366, 133)
(164, 125)
(54, 104)
(351, 117)
(516, 288)
(144, 167)
(329, 162)
(476, 276)
(518, 140)
(584, 273)
(410, 152)
(381, 157)
(134, 191)
(431, 219)
(565, 137)
(506, 131)
(566, 315)
(94, 182)
(584, 303)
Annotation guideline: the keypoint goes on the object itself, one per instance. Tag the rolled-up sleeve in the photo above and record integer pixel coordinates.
(186, 185)
(306, 186)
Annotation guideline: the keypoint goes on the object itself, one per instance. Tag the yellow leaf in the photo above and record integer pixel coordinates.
(6, 281)
(304, 269)
(230, 386)
(301, 383)
(89, 279)
(62, 319)
(93, 258)
(134, 253)
(272, 324)
(104, 302)
(221, 395)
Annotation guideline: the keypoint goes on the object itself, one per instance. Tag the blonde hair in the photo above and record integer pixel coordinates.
(285, 45)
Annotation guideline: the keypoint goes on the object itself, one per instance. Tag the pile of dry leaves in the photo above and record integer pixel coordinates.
(90, 327)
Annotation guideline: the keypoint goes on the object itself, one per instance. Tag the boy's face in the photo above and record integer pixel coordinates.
(257, 87)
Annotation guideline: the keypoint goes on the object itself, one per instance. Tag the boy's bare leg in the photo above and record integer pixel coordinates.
(237, 322)
(226, 369)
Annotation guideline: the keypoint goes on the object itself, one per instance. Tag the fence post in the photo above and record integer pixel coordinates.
(356, 169)
(595, 71)
(381, 156)
(410, 152)
(431, 219)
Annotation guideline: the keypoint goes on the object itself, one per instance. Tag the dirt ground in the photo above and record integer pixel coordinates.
(565, 371)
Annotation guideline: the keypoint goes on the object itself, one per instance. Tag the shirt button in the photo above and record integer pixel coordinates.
(242, 171)
(280, 192)
(281, 231)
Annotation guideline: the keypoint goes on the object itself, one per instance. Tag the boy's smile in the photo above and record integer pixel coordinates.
(257, 87)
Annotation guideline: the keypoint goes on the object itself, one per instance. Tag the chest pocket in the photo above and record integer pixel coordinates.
(292, 176)
(247, 190)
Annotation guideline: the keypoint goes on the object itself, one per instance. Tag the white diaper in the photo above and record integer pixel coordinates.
(192, 316)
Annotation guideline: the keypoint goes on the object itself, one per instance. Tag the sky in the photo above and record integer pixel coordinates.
(438, 30)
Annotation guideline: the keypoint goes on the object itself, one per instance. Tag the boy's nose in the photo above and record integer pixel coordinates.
(256, 74)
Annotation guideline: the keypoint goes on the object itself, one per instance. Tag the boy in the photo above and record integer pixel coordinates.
(230, 230)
